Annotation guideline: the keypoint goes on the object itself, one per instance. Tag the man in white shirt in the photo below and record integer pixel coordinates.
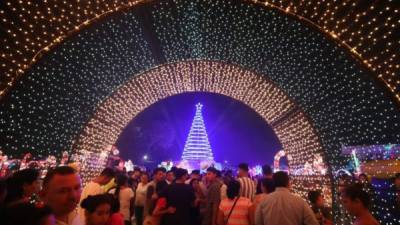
(94, 187)
(247, 185)
(61, 192)
(283, 208)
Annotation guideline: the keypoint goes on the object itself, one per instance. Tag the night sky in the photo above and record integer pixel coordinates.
(236, 132)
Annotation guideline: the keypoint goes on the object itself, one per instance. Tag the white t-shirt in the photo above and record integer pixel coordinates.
(141, 192)
(91, 188)
(125, 196)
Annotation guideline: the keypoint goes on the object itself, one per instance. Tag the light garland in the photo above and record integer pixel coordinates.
(359, 26)
(316, 97)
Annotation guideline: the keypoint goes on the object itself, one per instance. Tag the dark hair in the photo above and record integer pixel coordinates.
(268, 184)
(233, 189)
(266, 169)
(212, 170)
(355, 191)
(26, 214)
(93, 201)
(159, 169)
(244, 166)
(120, 180)
(397, 176)
(281, 179)
(179, 173)
(61, 170)
(115, 206)
(197, 172)
(15, 183)
(313, 196)
(108, 172)
(136, 168)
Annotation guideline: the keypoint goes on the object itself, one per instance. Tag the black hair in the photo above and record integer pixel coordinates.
(355, 191)
(233, 189)
(93, 201)
(397, 176)
(313, 196)
(120, 180)
(15, 183)
(158, 169)
(61, 170)
(26, 214)
(197, 172)
(244, 166)
(137, 169)
(179, 173)
(212, 170)
(108, 172)
(115, 205)
(268, 184)
(266, 170)
(281, 179)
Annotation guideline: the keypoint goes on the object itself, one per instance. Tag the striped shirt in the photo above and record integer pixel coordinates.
(247, 187)
(240, 214)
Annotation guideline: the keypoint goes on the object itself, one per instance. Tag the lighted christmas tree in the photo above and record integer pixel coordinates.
(197, 146)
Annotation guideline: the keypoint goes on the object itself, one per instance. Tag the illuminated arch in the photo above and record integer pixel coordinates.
(291, 125)
(344, 22)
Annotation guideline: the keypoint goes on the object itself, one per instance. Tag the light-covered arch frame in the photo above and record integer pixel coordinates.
(294, 130)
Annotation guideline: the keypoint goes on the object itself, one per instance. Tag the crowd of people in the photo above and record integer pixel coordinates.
(172, 197)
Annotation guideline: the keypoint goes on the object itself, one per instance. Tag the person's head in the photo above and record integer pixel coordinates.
(267, 185)
(363, 178)
(195, 174)
(316, 198)
(159, 174)
(28, 214)
(97, 209)
(281, 179)
(144, 178)
(243, 170)
(233, 189)
(106, 176)
(267, 171)
(61, 190)
(136, 172)
(181, 175)
(121, 180)
(397, 180)
(23, 183)
(170, 176)
(211, 174)
(355, 200)
(195, 183)
(114, 202)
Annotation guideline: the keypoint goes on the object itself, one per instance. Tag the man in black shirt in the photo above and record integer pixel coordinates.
(180, 196)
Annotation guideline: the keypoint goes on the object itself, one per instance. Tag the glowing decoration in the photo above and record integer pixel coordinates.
(167, 165)
(277, 159)
(308, 69)
(378, 160)
(356, 161)
(197, 146)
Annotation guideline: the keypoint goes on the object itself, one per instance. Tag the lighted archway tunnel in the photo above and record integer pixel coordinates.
(316, 92)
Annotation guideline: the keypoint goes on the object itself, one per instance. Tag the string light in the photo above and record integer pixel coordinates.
(99, 72)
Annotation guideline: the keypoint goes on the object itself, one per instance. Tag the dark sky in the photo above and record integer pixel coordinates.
(236, 132)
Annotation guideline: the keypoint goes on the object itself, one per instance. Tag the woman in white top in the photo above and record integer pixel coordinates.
(140, 199)
(125, 195)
